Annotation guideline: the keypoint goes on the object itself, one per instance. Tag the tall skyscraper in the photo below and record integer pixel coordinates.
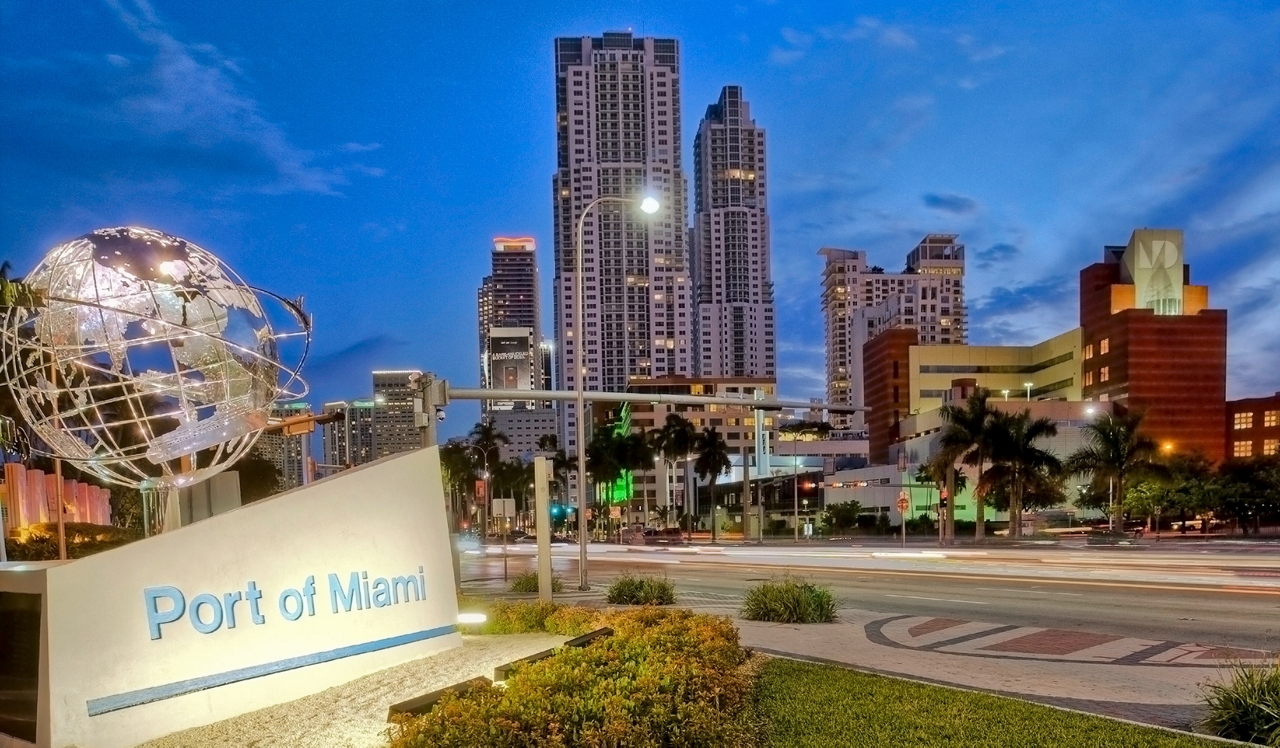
(394, 429)
(734, 334)
(618, 133)
(285, 452)
(861, 301)
(507, 303)
(348, 441)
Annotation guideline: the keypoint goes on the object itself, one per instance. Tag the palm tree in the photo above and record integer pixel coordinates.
(713, 462)
(966, 437)
(488, 437)
(1018, 465)
(1115, 450)
(675, 441)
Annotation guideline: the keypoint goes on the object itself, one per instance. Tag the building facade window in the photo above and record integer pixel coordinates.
(1271, 418)
(1271, 447)
(1104, 374)
(1088, 352)
(1104, 346)
(1242, 449)
(1242, 421)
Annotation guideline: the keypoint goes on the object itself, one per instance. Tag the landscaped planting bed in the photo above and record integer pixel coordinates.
(665, 678)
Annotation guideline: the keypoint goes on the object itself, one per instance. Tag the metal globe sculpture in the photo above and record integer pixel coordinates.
(144, 359)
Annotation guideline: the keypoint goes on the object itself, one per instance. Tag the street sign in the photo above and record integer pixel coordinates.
(903, 504)
(504, 507)
(480, 492)
(615, 512)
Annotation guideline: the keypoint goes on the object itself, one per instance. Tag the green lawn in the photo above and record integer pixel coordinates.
(830, 707)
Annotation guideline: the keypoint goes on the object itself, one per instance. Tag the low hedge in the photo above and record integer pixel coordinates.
(527, 583)
(665, 678)
(629, 589)
(530, 617)
(789, 600)
(83, 539)
(1247, 707)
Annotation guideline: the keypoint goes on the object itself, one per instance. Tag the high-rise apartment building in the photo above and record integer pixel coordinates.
(860, 301)
(348, 441)
(618, 134)
(285, 452)
(507, 302)
(734, 333)
(394, 428)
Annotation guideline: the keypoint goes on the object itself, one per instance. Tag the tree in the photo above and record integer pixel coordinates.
(712, 462)
(966, 437)
(1020, 469)
(674, 442)
(1115, 450)
(1250, 490)
(488, 438)
(842, 516)
(259, 477)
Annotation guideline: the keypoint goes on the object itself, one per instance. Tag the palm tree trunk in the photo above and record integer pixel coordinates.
(979, 524)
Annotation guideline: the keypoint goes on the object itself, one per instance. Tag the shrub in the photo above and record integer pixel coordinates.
(522, 617)
(1248, 707)
(665, 678)
(83, 539)
(527, 583)
(572, 621)
(634, 590)
(789, 600)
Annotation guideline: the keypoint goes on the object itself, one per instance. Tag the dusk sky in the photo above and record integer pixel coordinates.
(365, 154)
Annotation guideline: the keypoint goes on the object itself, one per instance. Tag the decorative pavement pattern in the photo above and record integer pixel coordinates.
(981, 639)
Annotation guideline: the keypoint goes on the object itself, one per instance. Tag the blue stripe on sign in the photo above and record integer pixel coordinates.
(182, 687)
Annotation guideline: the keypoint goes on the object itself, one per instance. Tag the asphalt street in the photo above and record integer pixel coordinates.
(1224, 596)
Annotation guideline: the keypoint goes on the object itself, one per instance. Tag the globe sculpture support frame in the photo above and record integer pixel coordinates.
(147, 362)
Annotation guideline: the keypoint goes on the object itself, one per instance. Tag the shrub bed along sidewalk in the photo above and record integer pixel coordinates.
(665, 678)
(789, 600)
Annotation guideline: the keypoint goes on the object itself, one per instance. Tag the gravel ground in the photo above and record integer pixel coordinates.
(354, 715)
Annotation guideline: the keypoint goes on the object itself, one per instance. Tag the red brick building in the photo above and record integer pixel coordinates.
(885, 360)
(1158, 350)
(1253, 427)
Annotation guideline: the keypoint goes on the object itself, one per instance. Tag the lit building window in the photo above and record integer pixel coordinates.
(1242, 449)
(1104, 346)
(1271, 447)
(1104, 373)
(1088, 378)
(1271, 418)
(1243, 421)
(1088, 352)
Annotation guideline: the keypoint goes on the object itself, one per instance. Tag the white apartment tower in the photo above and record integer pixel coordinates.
(734, 334)
(861, 301)
(394, 425)
(618, 133)
(348, 441)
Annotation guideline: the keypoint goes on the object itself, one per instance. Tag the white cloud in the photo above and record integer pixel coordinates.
(190, 93)
(359, 147)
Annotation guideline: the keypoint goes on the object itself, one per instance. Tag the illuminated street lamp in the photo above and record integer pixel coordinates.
(1006, 395)
(647, 205)
(1028, 386)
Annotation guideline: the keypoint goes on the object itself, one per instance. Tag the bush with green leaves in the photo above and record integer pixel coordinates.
(529, 617)
(789, 600)
(527, 583)
(630, 589)
(1247, 707)
(40, 542)
(665, 678)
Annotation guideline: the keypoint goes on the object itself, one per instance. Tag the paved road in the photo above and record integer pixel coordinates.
(1225, 597)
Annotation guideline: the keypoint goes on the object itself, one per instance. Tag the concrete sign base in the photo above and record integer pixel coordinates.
(263, 604)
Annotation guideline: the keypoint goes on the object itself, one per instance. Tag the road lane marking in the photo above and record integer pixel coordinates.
(938, 599)
(1027, 592)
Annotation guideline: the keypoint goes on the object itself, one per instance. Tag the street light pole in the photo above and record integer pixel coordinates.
(648, 205)
(1028, 386)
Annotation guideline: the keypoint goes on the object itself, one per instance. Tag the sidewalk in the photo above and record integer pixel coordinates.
(1155, 682)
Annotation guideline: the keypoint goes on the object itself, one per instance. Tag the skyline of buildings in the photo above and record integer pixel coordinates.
(509, 322)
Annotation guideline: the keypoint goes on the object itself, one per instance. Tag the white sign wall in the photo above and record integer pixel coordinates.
(260, 605)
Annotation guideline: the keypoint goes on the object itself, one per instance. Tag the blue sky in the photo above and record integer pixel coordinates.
(363, 155)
